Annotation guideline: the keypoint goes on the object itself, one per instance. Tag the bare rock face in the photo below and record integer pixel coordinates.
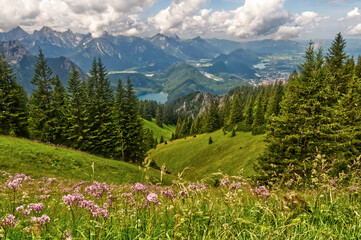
(14, 51)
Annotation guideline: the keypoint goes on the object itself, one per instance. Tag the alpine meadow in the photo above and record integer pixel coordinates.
(180, 119)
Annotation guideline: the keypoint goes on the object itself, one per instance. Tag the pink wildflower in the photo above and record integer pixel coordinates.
(224, 181)
(139, 187)
(97, 189)
(169, 194)
(44, 219)
(73, 199)
(8, 221)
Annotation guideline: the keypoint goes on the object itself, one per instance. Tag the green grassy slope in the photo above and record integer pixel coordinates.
(226, 154)
(39, 160)
(165, 131)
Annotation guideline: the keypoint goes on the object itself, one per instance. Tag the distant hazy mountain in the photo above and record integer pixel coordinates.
(196, 48)
(142, 84)
(269, 46)
(15, 34)
(23, 62)
(121, 52)
(239, 61)
(181, 79)
(225, 46)
(52, 43)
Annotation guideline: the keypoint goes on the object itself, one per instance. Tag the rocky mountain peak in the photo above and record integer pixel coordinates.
(14, 51)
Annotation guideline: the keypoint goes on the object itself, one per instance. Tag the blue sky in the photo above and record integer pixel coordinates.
(230, 19)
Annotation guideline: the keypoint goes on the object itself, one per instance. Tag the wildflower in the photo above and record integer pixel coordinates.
(261, 191)
(73, 199)
(224, 181)
(169, 194)
(8, 221)
(14, 184)
(44, 219)
(97, 189)
(36, 207)
(183, 193)
(139, 187)
(67, 235)
(235, 185)
(152, 198)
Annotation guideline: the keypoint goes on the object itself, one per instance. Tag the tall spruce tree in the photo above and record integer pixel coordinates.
(249, 112)
(13, 103)
(41, 114)
(236, 111)
(76, 115)
(158, 117)
(213, 121)
(102, 128)
(132, 134)
(258, 126)
(58, 106)
(296, 136)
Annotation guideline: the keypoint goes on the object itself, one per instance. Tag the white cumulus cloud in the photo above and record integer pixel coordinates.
(354, 13)
(258, 18)
(307, 18)
(355, 30)
(18, 12)
(174, 15)
(287, 32)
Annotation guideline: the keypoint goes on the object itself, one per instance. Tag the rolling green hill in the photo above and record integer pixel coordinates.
(198, 159)
(166, 131)
(40, 160)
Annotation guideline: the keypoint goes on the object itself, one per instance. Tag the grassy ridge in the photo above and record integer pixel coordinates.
(166, 131)
(39, 160)
(227, 154)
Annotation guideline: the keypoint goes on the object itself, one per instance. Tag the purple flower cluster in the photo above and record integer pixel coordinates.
(73, 200)
(14, 184)
(197, 186)
(94, 209)
(97, 189)
(183, 193)
(152, 198)
(139, 187)
(169, 194)
(44, 219)
(235, 185)
(9, 221)
(261, 191)
(35, 207)
(225, 181)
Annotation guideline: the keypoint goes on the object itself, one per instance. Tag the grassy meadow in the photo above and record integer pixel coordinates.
(54, 208)
(195, 158)
(165, 131)
(42, 160)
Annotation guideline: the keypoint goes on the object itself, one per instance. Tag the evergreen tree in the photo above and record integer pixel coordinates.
(58, 106)
(249, 112)
(212, 117)
(132, 135)
(296, 137)
(273, 107)
(76, 115)
(41, 114)
(101, 133)
(258, 126)
(358, 67)
(236, 111)
(158, 117)
(13, 103)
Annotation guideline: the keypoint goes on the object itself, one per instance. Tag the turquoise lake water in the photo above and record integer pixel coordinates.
(159, 97)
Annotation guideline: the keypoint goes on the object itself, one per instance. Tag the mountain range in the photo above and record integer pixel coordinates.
(159, 63)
